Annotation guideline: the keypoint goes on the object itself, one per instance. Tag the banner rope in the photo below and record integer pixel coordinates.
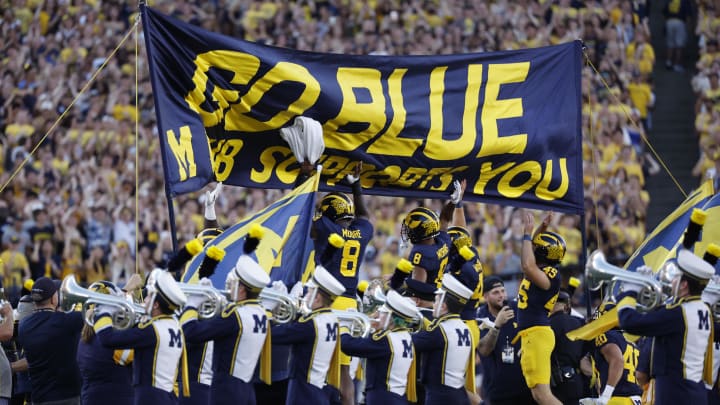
(642, 135)
(594, 165)
(72, 103)
(137, 149)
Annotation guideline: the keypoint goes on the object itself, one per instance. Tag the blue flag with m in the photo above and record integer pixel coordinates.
(285, 250)
(661, 245)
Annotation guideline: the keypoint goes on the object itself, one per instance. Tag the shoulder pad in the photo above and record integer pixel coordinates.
(308, 317)
(145, 324)
(229, 310)
(380, 335)
(433, 325)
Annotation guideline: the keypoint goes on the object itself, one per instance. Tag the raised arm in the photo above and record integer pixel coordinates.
(354, 180)
(527, 259)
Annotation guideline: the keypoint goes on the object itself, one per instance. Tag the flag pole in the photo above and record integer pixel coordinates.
(168, 194)
(583, 260)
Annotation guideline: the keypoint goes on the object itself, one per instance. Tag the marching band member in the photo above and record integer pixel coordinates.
(240, 333)
(537, 294)
(683, 330)
(447, 344)
(106, 373)
(350, 220)
(390, 368)
(158, 342)
(315, 343)
(200, 354)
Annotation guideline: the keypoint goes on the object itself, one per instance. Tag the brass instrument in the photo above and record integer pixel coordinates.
(214, 300)
(127, 313)
(374, 297)
(713, 288)
(359, 323)
(286, 308)
(598, 273)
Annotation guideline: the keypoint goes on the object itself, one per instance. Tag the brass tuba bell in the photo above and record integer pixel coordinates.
(127, 313)
(599, 273)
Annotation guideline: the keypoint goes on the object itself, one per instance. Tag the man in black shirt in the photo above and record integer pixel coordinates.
(566, 381)
(50, 339)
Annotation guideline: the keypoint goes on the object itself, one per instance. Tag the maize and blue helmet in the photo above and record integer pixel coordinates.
(460, 237)
(420, 224)
(549, 248)
(337, 206)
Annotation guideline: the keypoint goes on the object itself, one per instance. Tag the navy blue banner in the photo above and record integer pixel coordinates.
(508, 122)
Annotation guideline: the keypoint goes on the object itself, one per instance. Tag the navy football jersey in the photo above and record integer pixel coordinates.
(627, 386)
(534, 303)
(345, 262)
(470, 273)
(433, 258)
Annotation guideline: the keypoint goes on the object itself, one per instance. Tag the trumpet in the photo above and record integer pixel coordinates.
(285, 309)
(359, 323)
(126, 316)
(713, 288)
(599, 272)
(214, 302)
(374, 297)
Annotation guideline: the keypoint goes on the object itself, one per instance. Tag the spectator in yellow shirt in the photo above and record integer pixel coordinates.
(15, 269)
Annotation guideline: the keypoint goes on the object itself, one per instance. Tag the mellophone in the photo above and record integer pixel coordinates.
(283, 307)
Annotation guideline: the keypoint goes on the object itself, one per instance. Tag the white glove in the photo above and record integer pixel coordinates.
(644, 270)
(457, 194)
(105, 309)
(210, 198)
(205, 282)
(305, 138)
(606, 395)
(711, 294)
(194, 300)
(279, 286)
(296, 291)
(631, 287)
(587, 401)
(352, 179)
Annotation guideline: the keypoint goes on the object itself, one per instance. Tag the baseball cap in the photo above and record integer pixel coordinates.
(44, 288)
(492, 282)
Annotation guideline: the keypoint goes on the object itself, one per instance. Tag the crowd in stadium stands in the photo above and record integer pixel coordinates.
(71, 209)
(706, 85)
